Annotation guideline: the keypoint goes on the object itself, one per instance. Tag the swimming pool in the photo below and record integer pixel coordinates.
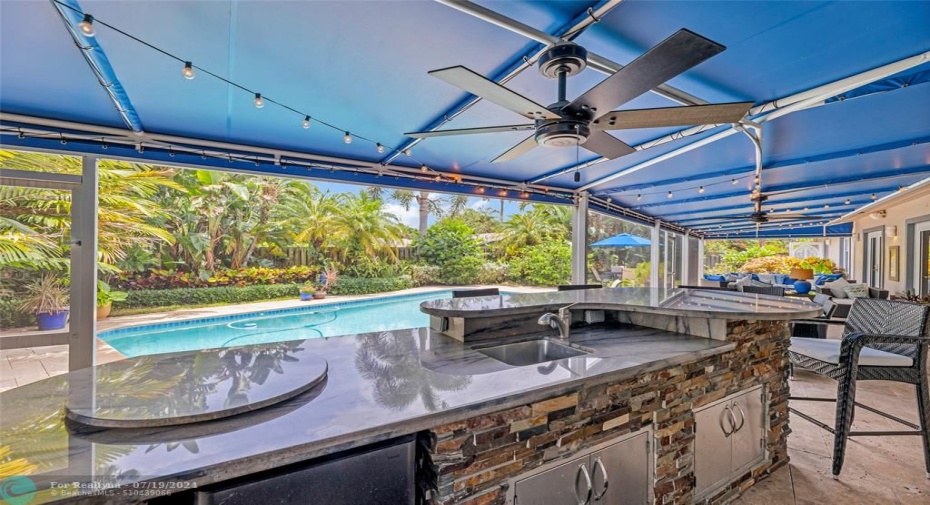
(323, 320)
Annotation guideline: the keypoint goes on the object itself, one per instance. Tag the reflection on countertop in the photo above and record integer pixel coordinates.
(684, 302)
(379, 385)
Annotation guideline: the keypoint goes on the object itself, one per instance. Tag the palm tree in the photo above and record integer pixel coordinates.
(364, 227)
(309, 215)
(541, 223)
(425, 204)
(126, 207)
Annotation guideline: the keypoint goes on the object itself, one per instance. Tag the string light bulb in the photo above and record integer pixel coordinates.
(306, 122)
(480, 190)
(259, 103)
(848, 201)
(87, 26)
(423, 168)
(407, 152)
(874, 197)
(347, 138)
(701, 190)
(670, 194)
(734, 182)
(639, 198)
(826, 205)
(380, 147)
(188, 71)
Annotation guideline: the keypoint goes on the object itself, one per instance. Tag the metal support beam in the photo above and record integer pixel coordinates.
(685, 266)
(794, 162)
(83, 327)
(579, 240)
(72, 14)
(813, 97)
(595, 61)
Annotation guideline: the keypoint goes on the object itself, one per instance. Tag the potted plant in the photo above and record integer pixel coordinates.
(307, 290)
(105, 298)
(48, 300)
(327, 280)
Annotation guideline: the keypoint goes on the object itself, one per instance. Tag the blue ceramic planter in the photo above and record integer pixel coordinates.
(306, 296)
(802, 287)
(52, 321)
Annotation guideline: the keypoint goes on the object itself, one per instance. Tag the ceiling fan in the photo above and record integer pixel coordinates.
(585, 120)
(760, 216)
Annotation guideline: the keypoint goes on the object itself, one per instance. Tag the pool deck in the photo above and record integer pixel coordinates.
(29, 364)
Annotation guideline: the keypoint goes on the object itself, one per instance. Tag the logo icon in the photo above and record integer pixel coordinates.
(17, 490)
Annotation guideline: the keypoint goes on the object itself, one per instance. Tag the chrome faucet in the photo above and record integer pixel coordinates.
(562, 321)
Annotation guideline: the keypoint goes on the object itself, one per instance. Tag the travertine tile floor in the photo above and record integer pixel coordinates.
(878, 470)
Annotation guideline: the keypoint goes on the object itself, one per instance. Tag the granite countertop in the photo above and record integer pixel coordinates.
(681, 302)
(380, 385)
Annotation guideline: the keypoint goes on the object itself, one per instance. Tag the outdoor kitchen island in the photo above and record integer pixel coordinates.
(638, 411)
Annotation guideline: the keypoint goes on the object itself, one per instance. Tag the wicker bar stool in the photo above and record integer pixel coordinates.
(882, 340)
(765, 290)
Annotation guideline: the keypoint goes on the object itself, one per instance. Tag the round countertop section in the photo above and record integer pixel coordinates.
(679, 302)
(193, 386)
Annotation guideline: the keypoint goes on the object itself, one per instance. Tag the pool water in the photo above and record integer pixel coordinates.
(325, 320)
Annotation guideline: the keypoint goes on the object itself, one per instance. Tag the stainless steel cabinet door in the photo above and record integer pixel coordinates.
(712, 448)
(749, 415)
(620, 473)
(556, 486)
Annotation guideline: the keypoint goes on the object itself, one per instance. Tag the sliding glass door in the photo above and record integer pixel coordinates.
(874, 249)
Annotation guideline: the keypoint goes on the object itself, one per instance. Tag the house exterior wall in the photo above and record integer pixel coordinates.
(897, 214)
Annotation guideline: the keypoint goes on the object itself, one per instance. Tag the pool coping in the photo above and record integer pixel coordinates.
(260, 313)
(104, 335)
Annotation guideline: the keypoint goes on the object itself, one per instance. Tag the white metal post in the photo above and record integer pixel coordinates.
(579, 239)
(685, 254)
(83, 327)
(700, 272)
(654, 256)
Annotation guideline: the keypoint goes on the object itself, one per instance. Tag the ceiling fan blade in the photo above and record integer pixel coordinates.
(518, 150)
(491, 91)
(607, 145)
(674, 55)
(721, 113)
(470, 131)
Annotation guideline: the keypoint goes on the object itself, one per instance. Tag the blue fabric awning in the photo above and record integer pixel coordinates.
(362, 67)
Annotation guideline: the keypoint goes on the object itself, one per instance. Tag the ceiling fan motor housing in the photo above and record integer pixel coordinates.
(561, 132)
(564, 57)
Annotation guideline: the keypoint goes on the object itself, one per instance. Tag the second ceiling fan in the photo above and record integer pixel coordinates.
(585, 120)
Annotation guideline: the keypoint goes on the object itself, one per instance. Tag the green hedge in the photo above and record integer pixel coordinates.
(12, 318)
(230, 294)
(205, 296)
(354, 286)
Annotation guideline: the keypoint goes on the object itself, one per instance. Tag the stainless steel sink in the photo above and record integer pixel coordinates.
(531, 352)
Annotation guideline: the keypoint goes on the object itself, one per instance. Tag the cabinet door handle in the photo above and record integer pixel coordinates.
(583, 470)
(729, 417)
(742, 416)
(600, 464)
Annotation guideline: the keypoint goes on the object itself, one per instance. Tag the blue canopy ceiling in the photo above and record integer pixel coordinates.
(362, 67)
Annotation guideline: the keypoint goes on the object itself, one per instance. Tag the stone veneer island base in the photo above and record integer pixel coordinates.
(475, 458)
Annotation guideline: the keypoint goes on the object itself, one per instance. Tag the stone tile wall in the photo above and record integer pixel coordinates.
(473, 458)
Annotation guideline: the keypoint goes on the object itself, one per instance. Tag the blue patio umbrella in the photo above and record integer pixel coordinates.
(623, 240)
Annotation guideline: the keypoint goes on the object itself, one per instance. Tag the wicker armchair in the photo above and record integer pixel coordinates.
(882, 340)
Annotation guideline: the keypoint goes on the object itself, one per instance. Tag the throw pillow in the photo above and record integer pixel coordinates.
(781, 279)
(760, 284)
(836, 287)
(857, 290)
